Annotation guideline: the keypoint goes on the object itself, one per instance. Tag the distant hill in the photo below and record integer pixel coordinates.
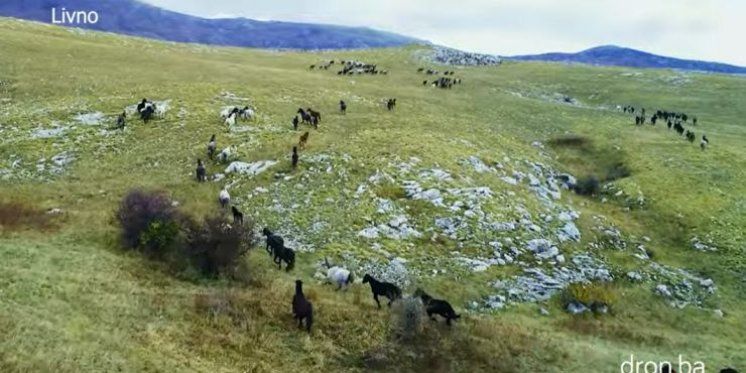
(136, 18)
(610, 55)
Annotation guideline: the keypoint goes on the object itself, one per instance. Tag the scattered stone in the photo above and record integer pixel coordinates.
(495, 302)
(663, 290)
(700, 246)
(509, 180)
(251, 169)
(477, 164)
(369, 233)
(569, 232)
(47, 133)
(384, 206)
(90, 119)
(538, 285)
(568, 215)
(451, 56)
(542, 248)
(415, 191)
(634, 276)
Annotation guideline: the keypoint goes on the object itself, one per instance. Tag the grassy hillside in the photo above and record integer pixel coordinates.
(72, 300)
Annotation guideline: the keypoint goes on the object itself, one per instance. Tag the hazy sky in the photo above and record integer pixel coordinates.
(699, 29)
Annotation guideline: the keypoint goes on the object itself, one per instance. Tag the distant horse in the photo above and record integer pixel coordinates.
(305, 117)
(303, 140)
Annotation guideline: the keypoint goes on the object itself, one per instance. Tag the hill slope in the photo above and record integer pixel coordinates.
(610, 55)
(132, 17)
(454, 191)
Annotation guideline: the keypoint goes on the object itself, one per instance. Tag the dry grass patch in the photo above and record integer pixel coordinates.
(17, 216)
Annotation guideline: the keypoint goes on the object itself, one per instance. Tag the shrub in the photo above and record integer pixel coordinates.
(618, 171)
(149, 222)
(588, 294)
(159, 237)
(215, 246)
(391, 191)
(408, 318)
(587, 186)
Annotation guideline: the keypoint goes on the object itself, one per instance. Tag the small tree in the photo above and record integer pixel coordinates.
(215, 246)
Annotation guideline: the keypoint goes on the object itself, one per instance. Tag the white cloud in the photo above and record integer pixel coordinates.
(700, 29)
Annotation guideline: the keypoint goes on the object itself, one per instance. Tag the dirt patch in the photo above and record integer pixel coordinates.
(573, 141)
(17, 216)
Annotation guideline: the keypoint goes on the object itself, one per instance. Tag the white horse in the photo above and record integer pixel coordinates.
(231, 119)
(224, 197)
(246, 113)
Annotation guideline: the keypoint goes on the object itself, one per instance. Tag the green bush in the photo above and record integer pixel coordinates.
(151, 224)
(159, 237)
(391, 191)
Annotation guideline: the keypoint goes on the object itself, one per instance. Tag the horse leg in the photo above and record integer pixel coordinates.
(375, 296)
(430, 315)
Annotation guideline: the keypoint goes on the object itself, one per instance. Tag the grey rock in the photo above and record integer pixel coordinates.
(250, 169)
(663, 290)
(569, 232)
(634, 276)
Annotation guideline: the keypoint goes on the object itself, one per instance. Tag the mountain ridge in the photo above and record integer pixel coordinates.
(613, 55)
(132, 17)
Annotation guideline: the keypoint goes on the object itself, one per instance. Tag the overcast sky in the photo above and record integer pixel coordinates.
(699, 29)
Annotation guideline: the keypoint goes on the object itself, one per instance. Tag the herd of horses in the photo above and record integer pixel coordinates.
(447, 81)
(303, 309)
(672, 119)
(275, 244)
(351, 67)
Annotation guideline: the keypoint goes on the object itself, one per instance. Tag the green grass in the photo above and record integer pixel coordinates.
(71, 300)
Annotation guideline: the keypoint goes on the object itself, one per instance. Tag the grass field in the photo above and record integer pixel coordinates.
(72, 300)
